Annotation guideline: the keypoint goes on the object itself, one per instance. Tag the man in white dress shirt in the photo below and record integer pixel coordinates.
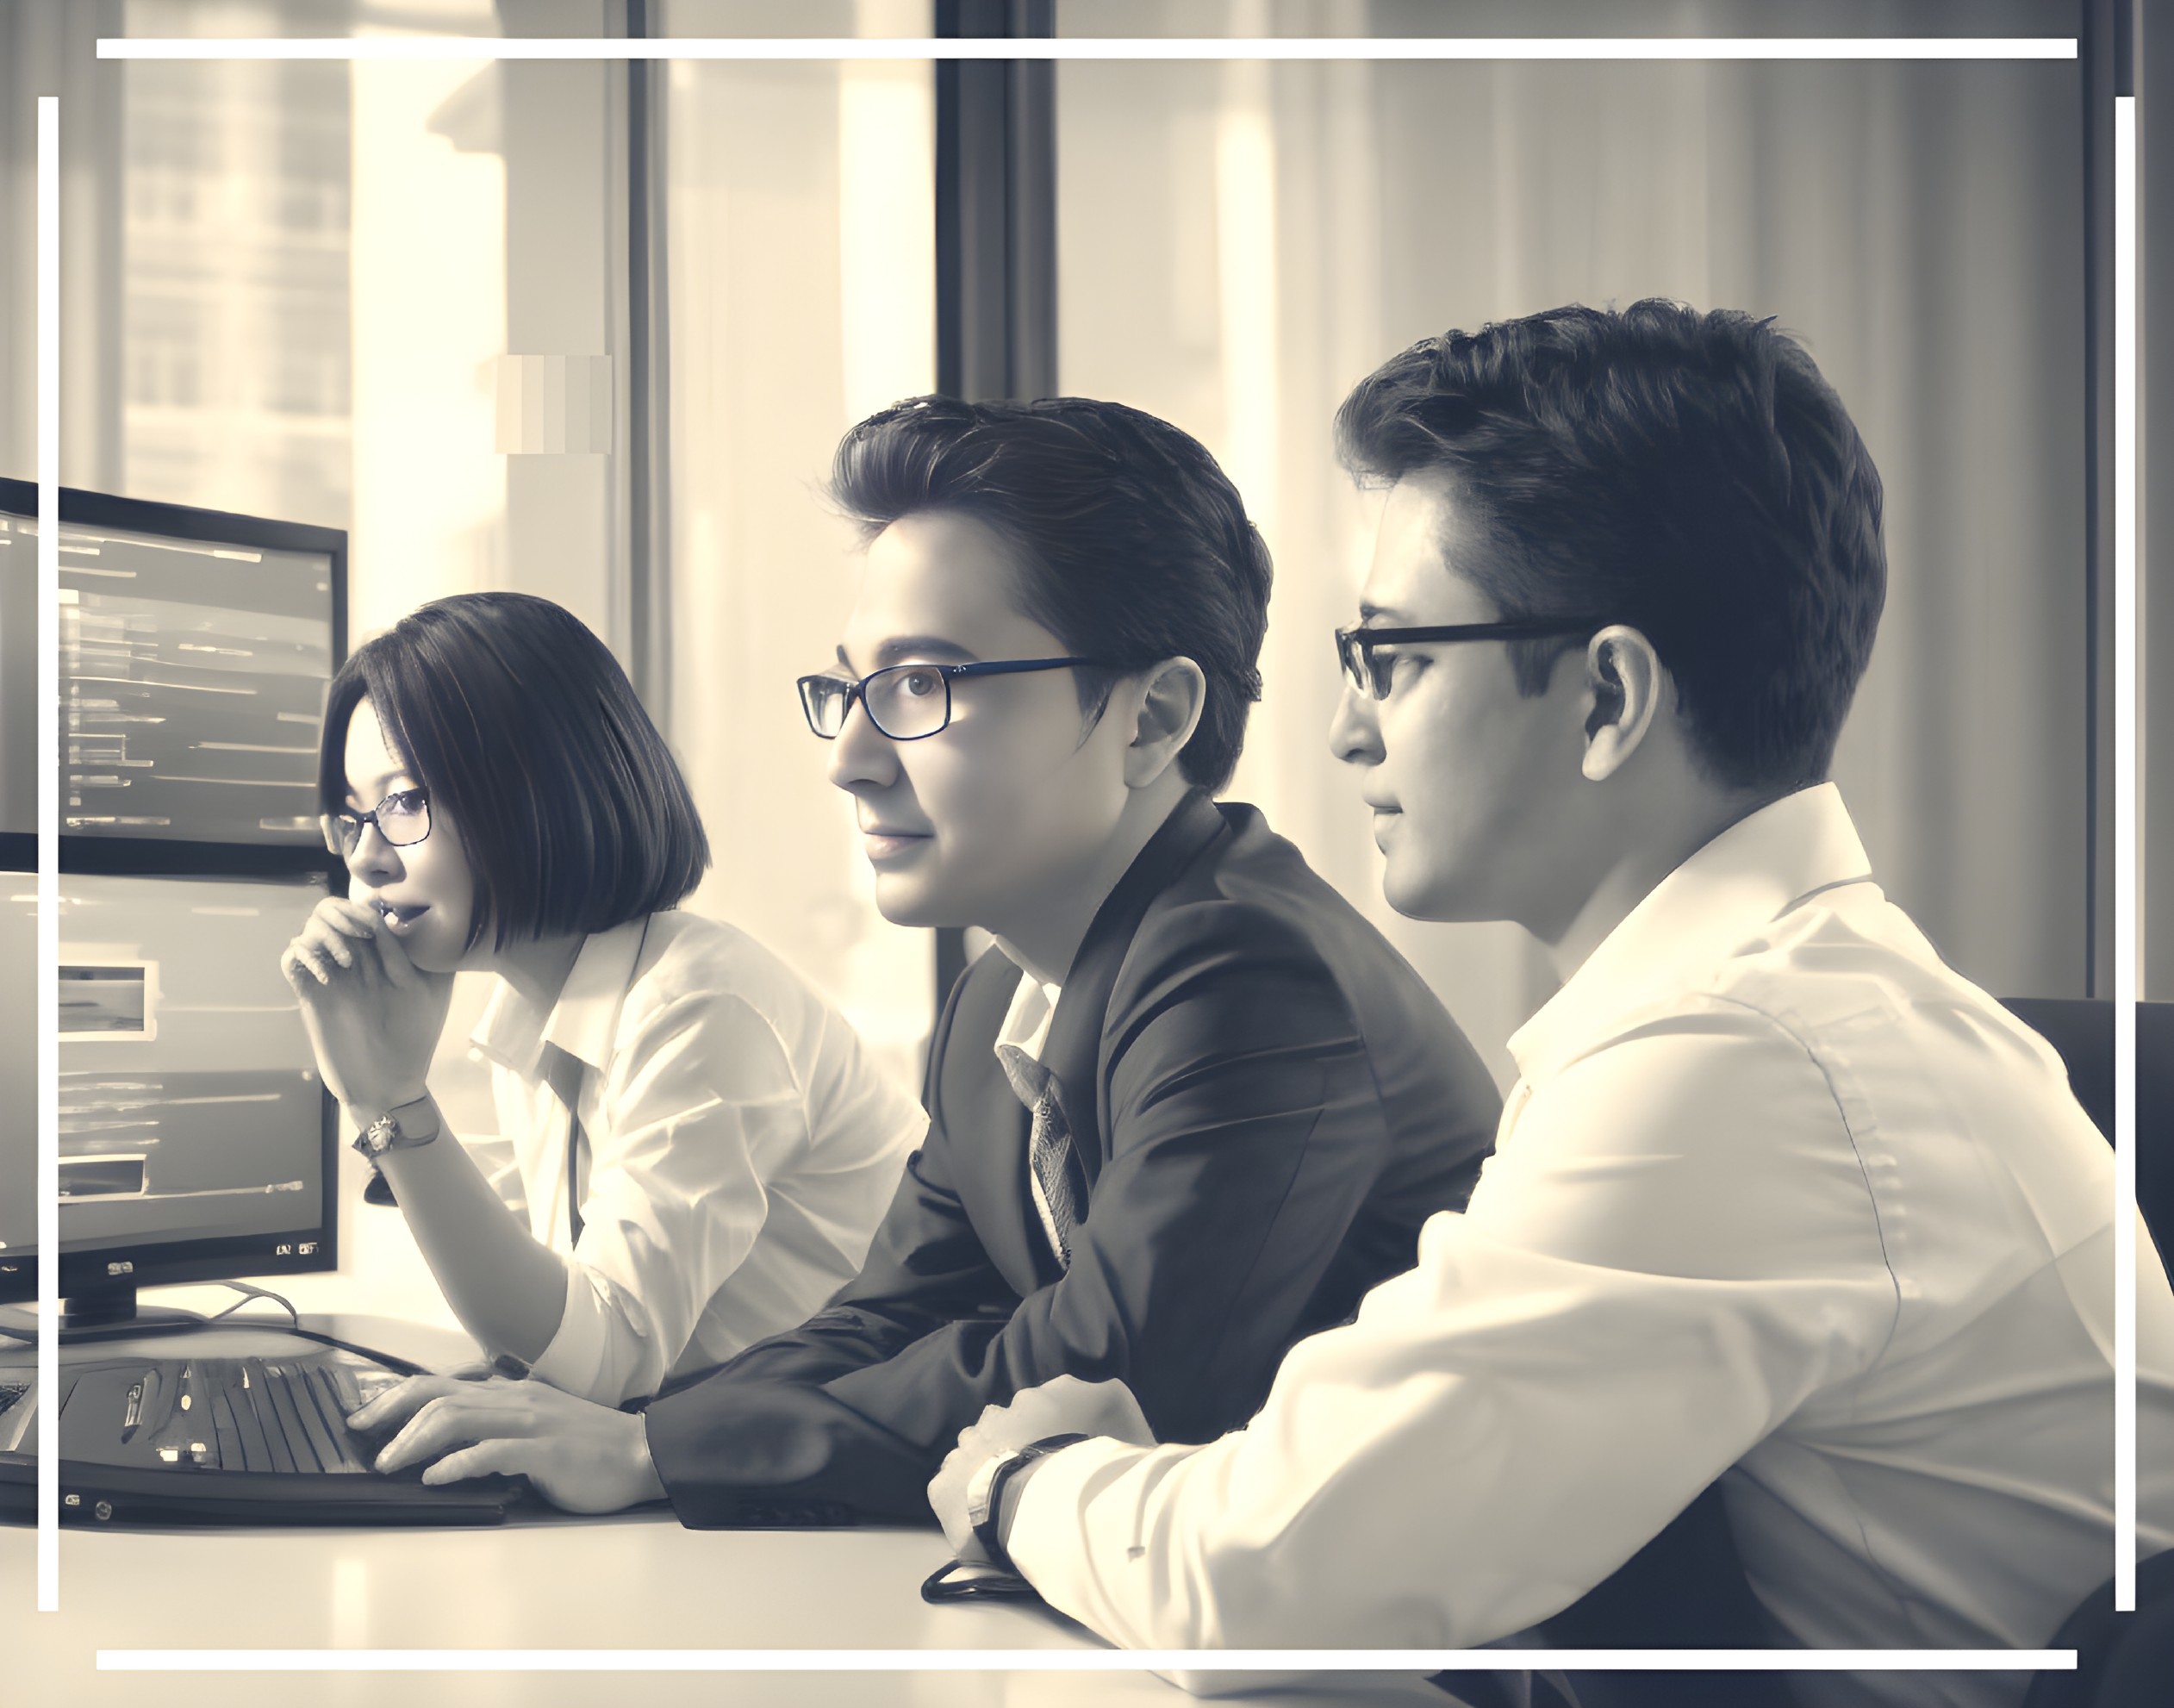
(1779, 1199)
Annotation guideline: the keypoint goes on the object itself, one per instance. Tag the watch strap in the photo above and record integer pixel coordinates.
(401, 1128)
(986, 1532)
(418, 1121)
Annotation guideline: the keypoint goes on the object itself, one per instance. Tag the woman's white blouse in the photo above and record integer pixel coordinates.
(741, 1148)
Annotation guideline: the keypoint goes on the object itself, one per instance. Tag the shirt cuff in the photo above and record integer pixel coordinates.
(574, 1359)
(1048, 1536)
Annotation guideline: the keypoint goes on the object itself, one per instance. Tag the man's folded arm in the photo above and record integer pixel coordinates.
(1502, 1427)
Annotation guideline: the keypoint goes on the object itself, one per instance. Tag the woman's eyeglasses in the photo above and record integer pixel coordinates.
(402, 818)
(907, 702)
(1368, 672)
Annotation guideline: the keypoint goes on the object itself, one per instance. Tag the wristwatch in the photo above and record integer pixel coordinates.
(400, 1129)
(985, 1505)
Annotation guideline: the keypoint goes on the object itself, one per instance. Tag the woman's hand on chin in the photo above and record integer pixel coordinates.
(372, 1014)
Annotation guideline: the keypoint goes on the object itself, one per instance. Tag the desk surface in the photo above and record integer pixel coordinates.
(633, 1582)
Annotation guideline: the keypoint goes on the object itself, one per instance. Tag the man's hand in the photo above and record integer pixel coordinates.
(582, 1456)
(1066, 1405)
(372, 1016)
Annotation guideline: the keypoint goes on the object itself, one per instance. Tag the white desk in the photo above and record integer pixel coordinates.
(633, 1581)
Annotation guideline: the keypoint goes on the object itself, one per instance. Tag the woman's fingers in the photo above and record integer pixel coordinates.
(303, 961)
(328, 941)
(349, 918)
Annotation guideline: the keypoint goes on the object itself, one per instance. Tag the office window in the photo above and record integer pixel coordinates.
(800, 223)
(235, 245)
(1239, 243)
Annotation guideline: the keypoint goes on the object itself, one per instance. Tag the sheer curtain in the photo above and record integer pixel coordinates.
(800, 218)
(1239, 243)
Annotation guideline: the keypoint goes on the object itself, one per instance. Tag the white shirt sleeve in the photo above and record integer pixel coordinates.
(698, 1108)
(1673, 1249)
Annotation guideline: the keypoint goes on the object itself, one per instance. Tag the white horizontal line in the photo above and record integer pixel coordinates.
(1083, 1660)
(1092, 47)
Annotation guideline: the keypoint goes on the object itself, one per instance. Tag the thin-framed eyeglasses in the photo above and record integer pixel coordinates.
(1369, 673)
(907, 702)
(402, 818)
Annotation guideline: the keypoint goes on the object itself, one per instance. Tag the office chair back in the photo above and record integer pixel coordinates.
(2082, 1032)
(2122, 1660)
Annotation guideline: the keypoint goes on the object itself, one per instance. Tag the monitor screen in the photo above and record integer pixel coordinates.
(192, 676)
(191, 1110)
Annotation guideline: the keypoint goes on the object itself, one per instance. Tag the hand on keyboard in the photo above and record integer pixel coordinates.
(580, 1457)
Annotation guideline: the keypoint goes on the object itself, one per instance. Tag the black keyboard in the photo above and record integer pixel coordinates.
(193, 1440)
(250, 1414)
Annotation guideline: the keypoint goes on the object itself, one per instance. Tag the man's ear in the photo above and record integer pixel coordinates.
(1625, 684)
(1172, 696)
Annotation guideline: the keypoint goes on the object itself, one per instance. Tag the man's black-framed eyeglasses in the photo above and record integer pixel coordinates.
(1370, 674)
(907, 702)
(402, 818)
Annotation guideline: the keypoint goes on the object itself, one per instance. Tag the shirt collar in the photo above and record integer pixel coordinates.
(1025, 1035)
(582, 1022)
(1723, 895)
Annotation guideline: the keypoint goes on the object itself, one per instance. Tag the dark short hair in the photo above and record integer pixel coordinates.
(1132, 546)
(1690, 475)
(522, 725)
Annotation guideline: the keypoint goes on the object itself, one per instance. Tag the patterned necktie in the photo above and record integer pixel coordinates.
(1050, 1151)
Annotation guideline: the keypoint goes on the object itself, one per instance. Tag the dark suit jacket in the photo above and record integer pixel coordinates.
(1265, 1102)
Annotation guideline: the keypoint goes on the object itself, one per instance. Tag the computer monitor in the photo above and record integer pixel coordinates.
(195, 647)
(197, 1137)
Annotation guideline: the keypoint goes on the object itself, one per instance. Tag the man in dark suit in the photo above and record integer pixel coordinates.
(1187, 1110)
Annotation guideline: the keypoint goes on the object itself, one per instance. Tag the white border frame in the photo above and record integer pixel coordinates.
(1092, 47)
(2125, 839)
(48, 994)
(1083, 49)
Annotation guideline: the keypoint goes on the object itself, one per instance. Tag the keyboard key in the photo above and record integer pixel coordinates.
(256, 1453)
(289, 1435)
(293, 1382)
(231, 1456)
(343, 1387)
(318, 1381)
(257, 1386)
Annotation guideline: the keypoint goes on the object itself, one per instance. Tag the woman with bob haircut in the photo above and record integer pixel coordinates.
(700, 1148)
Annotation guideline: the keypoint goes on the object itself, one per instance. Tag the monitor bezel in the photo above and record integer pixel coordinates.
(85, 1274)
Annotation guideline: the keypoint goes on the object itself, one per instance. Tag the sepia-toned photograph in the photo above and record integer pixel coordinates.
(1023, 853)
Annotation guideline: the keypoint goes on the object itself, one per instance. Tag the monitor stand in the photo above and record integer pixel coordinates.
(112, 1313)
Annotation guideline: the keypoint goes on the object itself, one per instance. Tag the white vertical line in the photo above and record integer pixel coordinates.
(48, 853)
(2125, 853)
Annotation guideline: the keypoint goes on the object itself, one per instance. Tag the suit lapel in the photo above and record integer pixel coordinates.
(987, 1127)
(1074, 1050)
